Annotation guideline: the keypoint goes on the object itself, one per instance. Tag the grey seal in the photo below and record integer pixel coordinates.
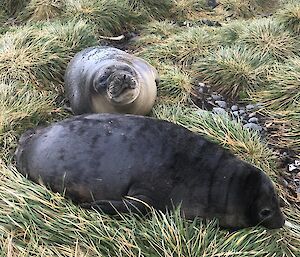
(106, 79)
(122, 163)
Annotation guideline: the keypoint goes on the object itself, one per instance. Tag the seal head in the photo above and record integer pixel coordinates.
(119, 83)
(106, 79)
(265, 209)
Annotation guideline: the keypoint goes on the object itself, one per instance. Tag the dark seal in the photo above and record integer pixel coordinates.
(106, 79)
(128, 163)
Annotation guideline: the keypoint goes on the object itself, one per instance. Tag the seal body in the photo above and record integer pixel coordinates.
(128, 163)
(105, 79)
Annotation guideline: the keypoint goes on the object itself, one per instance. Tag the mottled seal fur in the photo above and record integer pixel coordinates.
(105, 79)
(126, 162)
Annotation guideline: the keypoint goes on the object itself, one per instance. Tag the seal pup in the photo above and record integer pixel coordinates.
(106, 79)
(122, 163)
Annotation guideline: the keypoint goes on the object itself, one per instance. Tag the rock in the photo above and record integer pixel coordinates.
(210, 23)
(218, 110)
(253, 120)
(212, 3)
(259, 106)
(252, 114)
(216, 97)
(201, 90)
(241, 112)
(253, 126)
(234, 108)
(200, 84)
(235, 113)
(284, 182)
(250, 107)
(201, 112)
(222, 104)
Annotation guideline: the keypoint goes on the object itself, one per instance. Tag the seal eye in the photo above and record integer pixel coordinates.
(265, 213)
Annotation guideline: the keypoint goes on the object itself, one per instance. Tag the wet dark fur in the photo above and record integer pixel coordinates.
(106, 160)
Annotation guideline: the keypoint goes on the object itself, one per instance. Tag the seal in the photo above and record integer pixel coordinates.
(106, 79)
(122, 163)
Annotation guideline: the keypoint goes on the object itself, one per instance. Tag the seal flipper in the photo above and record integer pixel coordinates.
(138, 205)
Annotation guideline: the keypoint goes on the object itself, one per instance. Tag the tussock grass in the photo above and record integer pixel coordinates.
(289, 17)
(233, 70)
(41, 10)
(183, 48)
(267, 37)
(19, 102)
(290, 137)
(154, 33)
(164, 29)
(230, 32)
(283, 90)
(110, 16)
(20, 107)
(156, 9)
(286, 134)
(39, 54)
(3, 19)
(248, 8)
(13, 7)
(175, 84)
(191, 9)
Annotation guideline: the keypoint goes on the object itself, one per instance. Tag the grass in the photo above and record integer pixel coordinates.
(13, 7)
(175, 84)
(230, 33)
(155, 32)
(283, 90)
(286, 132)
(39, 54)
(156, 9)
(184, 48)
(41, 10)
(20, 107)
(289, 17)
(253, 56)
(248, 8)
(233, 70)
(163, 29)
(290, 138)
(266, 37)
(110, 17)
(191, 9)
